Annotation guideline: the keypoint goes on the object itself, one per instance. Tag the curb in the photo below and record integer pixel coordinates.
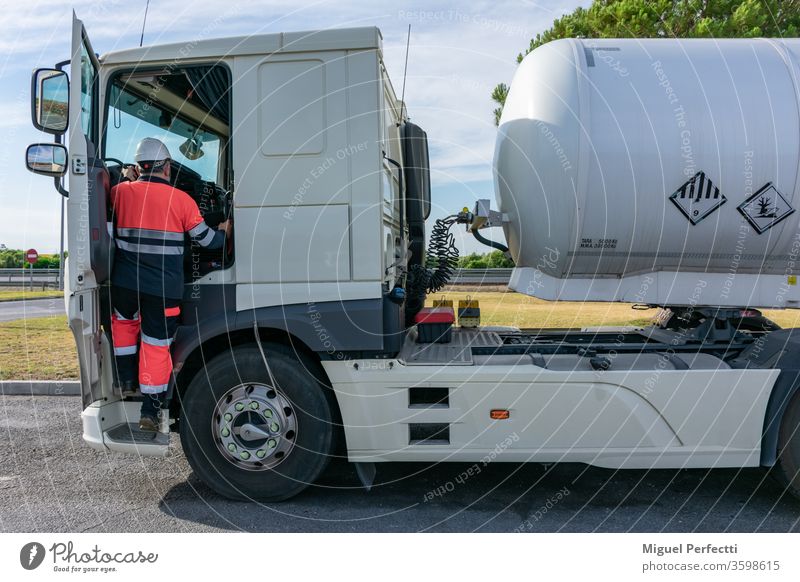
(40, 388)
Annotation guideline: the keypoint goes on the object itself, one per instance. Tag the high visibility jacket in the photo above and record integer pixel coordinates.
(152, 220)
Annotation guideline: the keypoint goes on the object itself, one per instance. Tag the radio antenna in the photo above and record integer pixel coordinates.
(405, 71)
(141, 38)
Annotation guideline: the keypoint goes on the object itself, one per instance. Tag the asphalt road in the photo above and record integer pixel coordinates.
(50, 481)
(11, 310)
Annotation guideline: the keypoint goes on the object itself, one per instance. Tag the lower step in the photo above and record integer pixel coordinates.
(130, 433)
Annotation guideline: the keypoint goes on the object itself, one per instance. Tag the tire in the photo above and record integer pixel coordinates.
(788, 466)
(202, 427)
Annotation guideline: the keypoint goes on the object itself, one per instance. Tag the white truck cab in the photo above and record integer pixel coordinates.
(297, 341)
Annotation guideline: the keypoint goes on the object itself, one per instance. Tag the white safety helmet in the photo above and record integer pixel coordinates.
(151, 150)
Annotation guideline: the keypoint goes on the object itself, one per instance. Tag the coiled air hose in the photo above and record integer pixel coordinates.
(441, 261)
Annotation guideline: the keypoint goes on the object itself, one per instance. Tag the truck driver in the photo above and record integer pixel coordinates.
(151, 218)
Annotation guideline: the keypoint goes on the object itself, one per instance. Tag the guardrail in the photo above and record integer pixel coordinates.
(481, 276)
(29, 278)
(48, 278)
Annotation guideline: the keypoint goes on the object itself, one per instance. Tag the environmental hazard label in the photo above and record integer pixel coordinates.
(765, 208)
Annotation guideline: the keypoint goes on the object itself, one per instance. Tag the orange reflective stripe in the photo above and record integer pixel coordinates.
(172, 311)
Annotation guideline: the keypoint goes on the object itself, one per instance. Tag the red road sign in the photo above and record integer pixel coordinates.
(31, 256)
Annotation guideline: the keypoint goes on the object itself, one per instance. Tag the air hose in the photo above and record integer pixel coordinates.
(489, 243)
(441, 261)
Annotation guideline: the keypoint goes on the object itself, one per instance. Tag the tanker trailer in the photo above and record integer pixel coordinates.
(658, 171)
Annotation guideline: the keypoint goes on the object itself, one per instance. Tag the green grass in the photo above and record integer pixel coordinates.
(43, 348)
(499, 308)
(516, 309)
(37, 349)
(19, 294)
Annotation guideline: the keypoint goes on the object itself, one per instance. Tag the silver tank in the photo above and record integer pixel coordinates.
(621, 161)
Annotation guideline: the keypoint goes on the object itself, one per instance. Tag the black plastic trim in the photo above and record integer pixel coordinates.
(778, 349)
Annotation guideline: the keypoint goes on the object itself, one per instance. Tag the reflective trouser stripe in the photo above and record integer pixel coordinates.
(155, 367)
(151, 389)
(146, 339)
(125, 350)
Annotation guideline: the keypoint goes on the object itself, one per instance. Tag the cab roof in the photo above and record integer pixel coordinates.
(368, 37)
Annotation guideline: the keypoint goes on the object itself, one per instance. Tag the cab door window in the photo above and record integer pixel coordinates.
(88, 82)
(180, 108)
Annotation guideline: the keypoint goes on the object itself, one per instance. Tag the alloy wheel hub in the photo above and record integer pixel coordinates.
(254, 426)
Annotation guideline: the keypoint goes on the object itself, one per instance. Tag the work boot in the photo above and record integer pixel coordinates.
(151, 411)
(149, 423)
(129, 387)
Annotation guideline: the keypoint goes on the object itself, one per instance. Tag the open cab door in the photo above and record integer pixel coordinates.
(109, 422)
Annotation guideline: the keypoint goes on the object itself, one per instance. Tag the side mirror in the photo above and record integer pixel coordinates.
(50, 100)
(47, 159)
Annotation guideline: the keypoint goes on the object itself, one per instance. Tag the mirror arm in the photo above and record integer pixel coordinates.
(60, 188)
(60, 66)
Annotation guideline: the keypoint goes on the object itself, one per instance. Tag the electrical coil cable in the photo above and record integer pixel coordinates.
(441, 261)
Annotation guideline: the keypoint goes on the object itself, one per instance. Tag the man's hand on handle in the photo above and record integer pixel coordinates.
(226, 227)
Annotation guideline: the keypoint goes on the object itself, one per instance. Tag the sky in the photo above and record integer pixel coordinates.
(459, 52)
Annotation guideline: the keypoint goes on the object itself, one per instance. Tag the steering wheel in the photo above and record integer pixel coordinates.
(115, 172)
(115, 160)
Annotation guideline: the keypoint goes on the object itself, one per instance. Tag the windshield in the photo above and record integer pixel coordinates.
(134, 115)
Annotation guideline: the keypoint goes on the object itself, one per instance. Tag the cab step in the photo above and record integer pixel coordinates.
(130, 433)
(114, 426)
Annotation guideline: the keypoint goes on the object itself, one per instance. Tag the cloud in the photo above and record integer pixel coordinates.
(14, 114)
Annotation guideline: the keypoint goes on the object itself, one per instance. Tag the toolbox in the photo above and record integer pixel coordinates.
(434, 325)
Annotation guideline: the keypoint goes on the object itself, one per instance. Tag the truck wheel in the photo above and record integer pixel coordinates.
(788, 469)
(248, 439)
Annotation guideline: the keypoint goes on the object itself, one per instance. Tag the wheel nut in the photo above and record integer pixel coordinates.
(225, 432)
(272, 443)
(254, 405)
(232, 448)
(228, 416)
(274, 427)
(239, 406)
(245, 455)
(260, 453)
(268, 413)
